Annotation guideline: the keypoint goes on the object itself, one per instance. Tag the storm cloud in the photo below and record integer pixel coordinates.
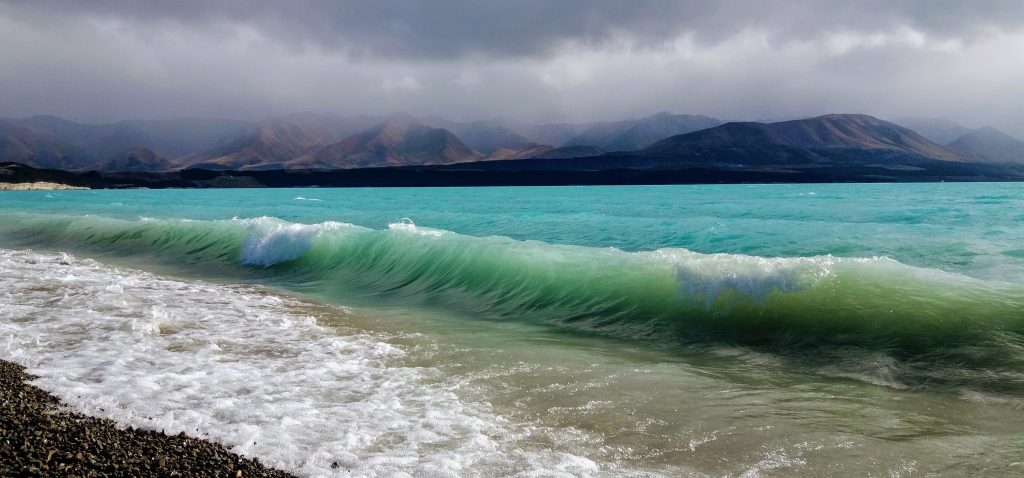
(537, 60)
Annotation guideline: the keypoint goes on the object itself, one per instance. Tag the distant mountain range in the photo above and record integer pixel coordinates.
(825, 139)
(274, 142)
(312, 140)
(814, 143)
(938, 130)
(398, 141)
(21, 144)
(985, 144)
(841, 147)
(662, 141)
(990, 145)
(136, 159)
(638, 134)
(52, 141)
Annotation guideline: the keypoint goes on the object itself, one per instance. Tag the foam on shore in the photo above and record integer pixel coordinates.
(251, 370)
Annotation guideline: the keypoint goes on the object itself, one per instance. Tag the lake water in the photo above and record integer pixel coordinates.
(741, 330)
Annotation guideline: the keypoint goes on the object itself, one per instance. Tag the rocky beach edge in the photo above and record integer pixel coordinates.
(41, 437)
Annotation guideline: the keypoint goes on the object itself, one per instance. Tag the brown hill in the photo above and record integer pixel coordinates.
(485, 136)
(23, 145)
(274, 142)
(399, 141)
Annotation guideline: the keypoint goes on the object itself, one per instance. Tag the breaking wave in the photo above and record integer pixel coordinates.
(666, 296)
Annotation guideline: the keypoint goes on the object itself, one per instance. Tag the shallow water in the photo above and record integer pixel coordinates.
(684, 330)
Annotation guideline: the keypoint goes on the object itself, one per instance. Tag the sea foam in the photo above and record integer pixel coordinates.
(272, 241)
(248, 369)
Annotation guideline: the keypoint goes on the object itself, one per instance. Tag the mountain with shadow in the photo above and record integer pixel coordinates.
(272, 143)
(23, 145)
(989, 145)
(99, 143)
(398, 141)
(829, 139)
(484, 136)
(938, 130)
(136, 159)
(633, 135)
(826, 144)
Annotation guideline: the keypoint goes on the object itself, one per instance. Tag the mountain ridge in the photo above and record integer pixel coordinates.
(23, 145)
(278, 140)
(398, 141)
(631, 135)
(326, 140)
(813, 140)
(939, 130)
(990, 145)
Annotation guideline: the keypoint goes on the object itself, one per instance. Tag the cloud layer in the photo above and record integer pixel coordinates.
(537, 60)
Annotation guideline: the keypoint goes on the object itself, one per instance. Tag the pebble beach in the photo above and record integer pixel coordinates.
(39, 436)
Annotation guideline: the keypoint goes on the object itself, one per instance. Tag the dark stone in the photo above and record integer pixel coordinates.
(39, 437)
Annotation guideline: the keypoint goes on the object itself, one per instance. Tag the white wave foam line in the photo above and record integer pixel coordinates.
(248, 370)
(406, 225)
(708, 276)
(273, 241)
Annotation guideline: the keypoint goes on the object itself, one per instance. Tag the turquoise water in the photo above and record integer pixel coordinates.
(967, 228)
(909, 297)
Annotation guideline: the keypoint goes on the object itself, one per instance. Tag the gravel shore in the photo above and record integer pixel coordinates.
(40, 437)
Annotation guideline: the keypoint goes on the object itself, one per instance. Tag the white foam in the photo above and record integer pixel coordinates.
(708, 276)
(252, 371)
(406, 225)
(273, 241)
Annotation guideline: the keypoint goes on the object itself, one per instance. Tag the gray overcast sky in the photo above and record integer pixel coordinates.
(105, 60)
